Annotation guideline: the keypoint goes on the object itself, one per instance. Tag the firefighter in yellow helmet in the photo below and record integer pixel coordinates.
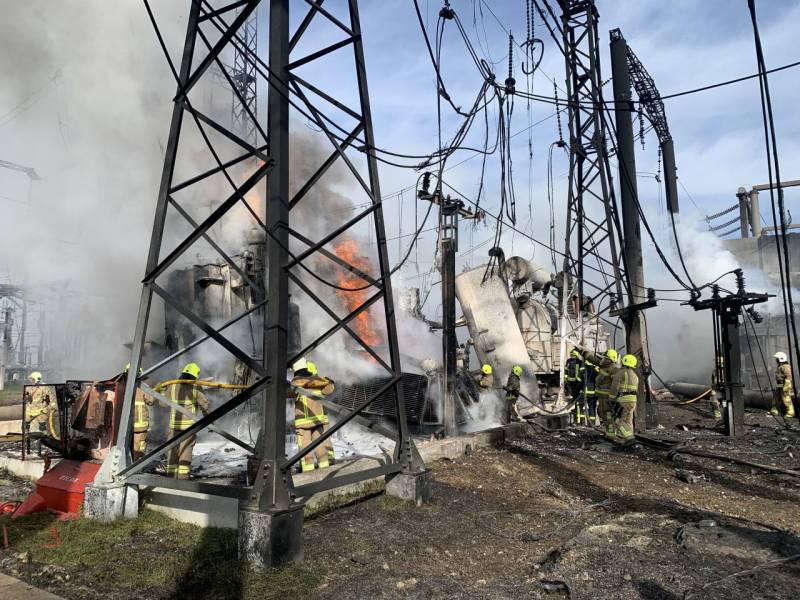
(624, 388)
(141, 413)
(485, 379)
(512, 389)
(310, 420)
(606, 365)
(190, 398)
(783, 381)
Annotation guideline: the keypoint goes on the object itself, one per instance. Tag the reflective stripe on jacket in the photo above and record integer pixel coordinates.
(783, 377)
(625, 385)
(573, 369)
(308, 412)
(141, 414)
(188, 397)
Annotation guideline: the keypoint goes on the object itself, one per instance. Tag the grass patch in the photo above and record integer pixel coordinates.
(157, 553)
(391, 504)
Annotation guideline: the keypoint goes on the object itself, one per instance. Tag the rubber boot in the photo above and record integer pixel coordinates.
(718, 415)
(774, 412)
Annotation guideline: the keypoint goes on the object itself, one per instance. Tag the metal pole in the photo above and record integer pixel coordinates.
(271, 485)
(23, 358)
(734, 393)
(744, 219)
(404, 447)
(125, 431)
(449, 342)
(634, 331)
(670, 175)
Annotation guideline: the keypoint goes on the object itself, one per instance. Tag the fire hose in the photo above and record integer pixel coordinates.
(201, 383)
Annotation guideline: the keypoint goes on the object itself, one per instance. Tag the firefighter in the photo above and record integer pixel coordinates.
(141, 413)
(573, 378)
(310, 420)
(606, 368)
(624, 388)
(512, 394)
(40, 412)
(485, 379)
(589, 378)
(783, 379)
(717, 379)
(189, 397)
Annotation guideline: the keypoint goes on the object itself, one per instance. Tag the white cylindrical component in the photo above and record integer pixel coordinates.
(520, 270)
(488, 311)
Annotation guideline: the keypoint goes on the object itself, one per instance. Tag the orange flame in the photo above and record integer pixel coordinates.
(349, 251)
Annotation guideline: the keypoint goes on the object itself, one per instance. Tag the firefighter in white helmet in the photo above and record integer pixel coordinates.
(310, 420)
(783, 380)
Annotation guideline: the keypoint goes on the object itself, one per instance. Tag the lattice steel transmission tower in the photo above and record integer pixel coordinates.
(245, 79)
(302, 233)
(593, 231)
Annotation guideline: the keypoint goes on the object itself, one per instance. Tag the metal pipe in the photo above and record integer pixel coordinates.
(752, 398)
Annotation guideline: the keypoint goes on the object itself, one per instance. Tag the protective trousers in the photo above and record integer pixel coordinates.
(591, 408)
(624, 422)
(179, 458)
(323, 452)
(785, 398)
(605, 411)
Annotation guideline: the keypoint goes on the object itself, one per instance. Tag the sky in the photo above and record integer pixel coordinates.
(87, 96)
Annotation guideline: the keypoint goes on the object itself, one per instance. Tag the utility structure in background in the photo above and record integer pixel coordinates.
(449, 212)
(639, 297)
(245, 79)
(726, 314)
(594, 231)
(271, 509)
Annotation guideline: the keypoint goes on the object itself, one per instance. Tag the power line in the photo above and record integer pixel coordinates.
(770, 139)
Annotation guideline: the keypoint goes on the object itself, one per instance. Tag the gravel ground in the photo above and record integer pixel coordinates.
(552, 515)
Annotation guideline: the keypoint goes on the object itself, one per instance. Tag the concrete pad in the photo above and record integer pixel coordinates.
(198, 509)
(14, 588)
(271, 539)
(215, 511)
(32, 468)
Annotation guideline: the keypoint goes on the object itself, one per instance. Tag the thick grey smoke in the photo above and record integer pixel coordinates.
(82, 102)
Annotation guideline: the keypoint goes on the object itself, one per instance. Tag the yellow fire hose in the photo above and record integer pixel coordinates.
(201, 383)
(703, 395)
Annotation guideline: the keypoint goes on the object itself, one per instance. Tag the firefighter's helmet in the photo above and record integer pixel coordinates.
(781, 357)
(192, 369)
(612, 355)
(35, 377)
(486, 369)
(517, 370)
(311, 367)
(629, 360)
